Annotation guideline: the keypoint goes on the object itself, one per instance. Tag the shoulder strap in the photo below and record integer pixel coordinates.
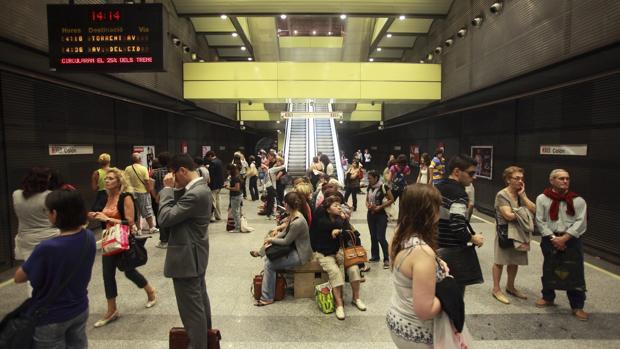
(137, 175)
(43, 309)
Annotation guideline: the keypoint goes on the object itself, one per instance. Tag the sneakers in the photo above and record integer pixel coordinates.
(386, 264)
(359, 304)
(541, 303)
(340, 313)
(162, 245)
(153, 231)
(581, 315)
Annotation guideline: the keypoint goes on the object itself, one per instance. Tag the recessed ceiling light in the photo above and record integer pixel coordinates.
(314, 32)
(235, 35)
(343, 16)
(402, 17)
(201, 60)
(283, 16)
(379, 49)
(340, 121)
(389, 35)
(295, 32)
(371, 59)
(223, 16)
(249, 58)
(329, 33)
(243, 48)
(277, 121)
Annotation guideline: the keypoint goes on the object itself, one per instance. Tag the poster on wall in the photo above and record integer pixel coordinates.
(184, 147)
(205, 149)
(483, 154)
(414, 153)
(147, 153)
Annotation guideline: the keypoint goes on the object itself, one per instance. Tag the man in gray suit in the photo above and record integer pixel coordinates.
(185, 203)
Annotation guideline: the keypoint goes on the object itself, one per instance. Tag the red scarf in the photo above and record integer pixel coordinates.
(555, 205)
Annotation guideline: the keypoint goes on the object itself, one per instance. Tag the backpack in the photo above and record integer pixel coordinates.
(399, 182)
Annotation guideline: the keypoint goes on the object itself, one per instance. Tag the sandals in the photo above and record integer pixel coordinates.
(262, 303)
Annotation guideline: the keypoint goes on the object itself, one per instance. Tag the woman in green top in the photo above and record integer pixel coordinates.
(97, 182)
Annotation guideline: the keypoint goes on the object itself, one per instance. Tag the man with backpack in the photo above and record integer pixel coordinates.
(398, 175)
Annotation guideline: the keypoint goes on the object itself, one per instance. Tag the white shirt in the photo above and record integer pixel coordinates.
(189, 185)
(574, 225)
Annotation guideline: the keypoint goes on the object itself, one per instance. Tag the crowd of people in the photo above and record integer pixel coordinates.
(429, 255)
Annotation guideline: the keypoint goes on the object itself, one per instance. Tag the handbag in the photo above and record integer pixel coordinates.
(115, 240)
(324, 298)
(354, 254)
(563, 270)
(502, 236)
(463, 262)
(245, 227)
(135, 256)
(257, 286)
(275, 251)
(178, 338)
(17, 327)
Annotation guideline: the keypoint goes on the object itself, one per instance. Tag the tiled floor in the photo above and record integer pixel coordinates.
(299, 324)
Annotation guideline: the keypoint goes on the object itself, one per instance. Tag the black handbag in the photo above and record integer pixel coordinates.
(502, 236)
(274, 251)
(17, 327)
(135, 257)
(463, 263)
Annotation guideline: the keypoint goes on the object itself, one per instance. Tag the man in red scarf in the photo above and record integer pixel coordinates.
(561, 219)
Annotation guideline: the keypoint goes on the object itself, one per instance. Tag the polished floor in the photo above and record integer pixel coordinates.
(299, 323)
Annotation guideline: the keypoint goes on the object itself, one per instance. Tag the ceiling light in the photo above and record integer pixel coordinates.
(371, 59)
(283, 16)
(279, 131)
(186, 49)
(201, 60)
(194, 56)
(462, 32)
(234, 35)
(449, 42)
(314, 32)
(277, 121)
(496, 7)
(379, 49)
(243, 48)
(341, 121)
(421, 61)
(438, 50)
(223, 16)
(343, 16)
(295, 32)
(249, 58)
(429, 57)
(389, 35)
(329, 33)
(402, 17)
(477, 21)
(176, 41)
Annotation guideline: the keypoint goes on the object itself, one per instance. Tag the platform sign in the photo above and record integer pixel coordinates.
(70, 149)
(106, 38)
(564, 149)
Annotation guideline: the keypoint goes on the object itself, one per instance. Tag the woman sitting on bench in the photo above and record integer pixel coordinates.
(327, 227)
(295, 235)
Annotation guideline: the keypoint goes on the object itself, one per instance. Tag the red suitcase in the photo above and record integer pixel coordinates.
(180, 340)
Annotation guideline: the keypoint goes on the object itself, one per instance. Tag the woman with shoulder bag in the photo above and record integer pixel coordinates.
(507, 203)
(59, 270)
(294, 235)
(328, 224)
(119, 209)
(378, 198)
(353, 177)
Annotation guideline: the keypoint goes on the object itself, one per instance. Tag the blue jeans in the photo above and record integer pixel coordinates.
(576, 298)
(269, 277)
(377, 224)
(70, 334)
(235, 206)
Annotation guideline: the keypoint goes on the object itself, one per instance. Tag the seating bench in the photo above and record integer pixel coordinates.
(305, 277)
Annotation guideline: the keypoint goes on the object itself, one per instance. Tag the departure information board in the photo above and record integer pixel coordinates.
(106, 38)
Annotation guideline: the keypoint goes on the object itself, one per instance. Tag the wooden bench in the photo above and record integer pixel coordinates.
(305, 277)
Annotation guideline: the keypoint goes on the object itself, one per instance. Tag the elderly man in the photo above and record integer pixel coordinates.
(561, 219)
(138, 177)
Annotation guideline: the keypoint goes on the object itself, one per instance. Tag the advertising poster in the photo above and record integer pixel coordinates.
(184, 147)
(414, 153)
(205, 149)
(147, 154)
(483, 154)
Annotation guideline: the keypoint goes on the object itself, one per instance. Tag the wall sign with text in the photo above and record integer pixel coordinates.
(564, 149)
(70, 149)
(106, 38)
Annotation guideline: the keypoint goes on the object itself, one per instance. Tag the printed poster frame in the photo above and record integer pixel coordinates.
(483, 154)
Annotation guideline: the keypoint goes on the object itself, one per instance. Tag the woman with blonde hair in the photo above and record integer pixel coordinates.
(119, 209)
(415, 269)
(511, 202)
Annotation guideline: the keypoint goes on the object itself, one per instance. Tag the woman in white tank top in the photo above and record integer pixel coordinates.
(423, 176)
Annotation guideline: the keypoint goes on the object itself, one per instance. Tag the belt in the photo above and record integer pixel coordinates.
(559, 234)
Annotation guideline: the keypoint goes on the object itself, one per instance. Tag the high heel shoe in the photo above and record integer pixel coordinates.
(151, 303)
(103, 322)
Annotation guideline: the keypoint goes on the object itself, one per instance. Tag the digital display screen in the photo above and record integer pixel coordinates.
(106, 38)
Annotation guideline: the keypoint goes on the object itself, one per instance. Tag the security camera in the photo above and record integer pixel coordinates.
(496, 7)
(462, 32)
(438, 50)
(449, 42)
(186, 49)
(176, 41)
(477, 21)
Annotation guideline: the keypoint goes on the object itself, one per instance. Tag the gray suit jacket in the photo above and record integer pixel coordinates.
(186, 213)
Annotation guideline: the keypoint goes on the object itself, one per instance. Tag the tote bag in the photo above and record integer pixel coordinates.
(115, 239)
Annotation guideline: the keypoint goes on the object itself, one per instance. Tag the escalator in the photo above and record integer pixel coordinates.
(296, 154)
(326, 140)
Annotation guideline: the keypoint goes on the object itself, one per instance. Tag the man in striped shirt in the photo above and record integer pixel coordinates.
(453, 230)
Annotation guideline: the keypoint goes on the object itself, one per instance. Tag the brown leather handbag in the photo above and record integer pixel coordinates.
(257, 286)
(354, 254)
(178, 338)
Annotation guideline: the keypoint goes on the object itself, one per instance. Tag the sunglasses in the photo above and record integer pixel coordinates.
(471, 173)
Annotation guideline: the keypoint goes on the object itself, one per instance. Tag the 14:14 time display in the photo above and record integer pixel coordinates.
(101, 16)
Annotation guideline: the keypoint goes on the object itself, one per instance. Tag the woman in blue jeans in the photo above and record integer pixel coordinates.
(377, 217)
(70, 254)
(295, 234)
